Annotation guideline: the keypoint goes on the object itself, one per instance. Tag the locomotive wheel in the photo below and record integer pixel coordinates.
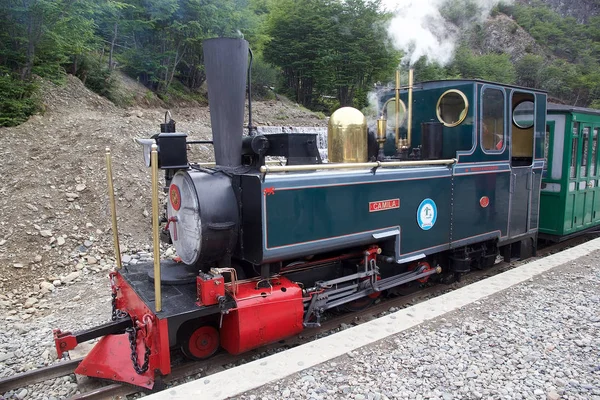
(363, 302)
(359, 304)
(200, 343)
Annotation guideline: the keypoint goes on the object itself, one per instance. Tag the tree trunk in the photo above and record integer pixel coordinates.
(112, 48)
(26, 74)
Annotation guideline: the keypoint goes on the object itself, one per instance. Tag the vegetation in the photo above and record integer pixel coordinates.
(323, 53)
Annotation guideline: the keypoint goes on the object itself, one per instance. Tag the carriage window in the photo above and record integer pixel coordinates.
(546, 150)
(585, 134)
(594, 152)
(572, 171)
(452, 108)
(492, 114)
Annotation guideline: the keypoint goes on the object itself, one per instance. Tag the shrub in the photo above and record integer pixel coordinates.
(17, 100)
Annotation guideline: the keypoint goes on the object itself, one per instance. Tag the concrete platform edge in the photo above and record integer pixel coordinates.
(249, 376)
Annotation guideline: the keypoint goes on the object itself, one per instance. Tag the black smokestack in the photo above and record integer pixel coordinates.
(226, 64)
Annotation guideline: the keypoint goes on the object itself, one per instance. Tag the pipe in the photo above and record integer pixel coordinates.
(155, 234)
(113, 208)
(397, 109)
(376, 164)
(410, 101)
(250, 133)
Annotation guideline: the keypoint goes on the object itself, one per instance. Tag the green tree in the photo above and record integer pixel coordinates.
(326, 47)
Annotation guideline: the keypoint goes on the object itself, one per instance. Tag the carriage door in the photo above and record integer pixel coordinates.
(584, 190)
(521, 148)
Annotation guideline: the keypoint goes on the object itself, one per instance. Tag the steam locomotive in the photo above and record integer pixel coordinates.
(448, 180)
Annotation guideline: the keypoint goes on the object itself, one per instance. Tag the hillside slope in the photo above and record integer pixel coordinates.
(54, 197)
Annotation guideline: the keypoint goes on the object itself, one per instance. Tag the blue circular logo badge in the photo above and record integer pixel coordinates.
(426, 214)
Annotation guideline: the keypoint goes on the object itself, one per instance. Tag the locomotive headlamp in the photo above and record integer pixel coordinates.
(146, 148)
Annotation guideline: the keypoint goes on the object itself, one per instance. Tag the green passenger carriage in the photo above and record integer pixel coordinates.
(570, 203)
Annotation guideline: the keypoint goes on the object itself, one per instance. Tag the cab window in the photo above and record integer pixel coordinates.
(523, 127)
(492, 120)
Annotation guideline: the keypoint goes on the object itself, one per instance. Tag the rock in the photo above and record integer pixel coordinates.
(88, 243)
(89, 225)
(91, 260)
(22, 394)
(46, 232)
(2, 242)
(71, 277)
(552, 395)
(71, 195)
(126, 258)
(46, 287)
(30, 302)
(60, 241)
(80, 187)
(18, 265)
(32, 207)
(37, 258)
(145, 213)
(79, 266)
(56, 282)
(6, 356)
(538, 392)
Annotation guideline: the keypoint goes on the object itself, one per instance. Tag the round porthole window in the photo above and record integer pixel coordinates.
(452, 108)
(523, 114)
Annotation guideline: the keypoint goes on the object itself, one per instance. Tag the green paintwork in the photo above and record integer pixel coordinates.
(308, 214)
(576, 206)
(470, 218)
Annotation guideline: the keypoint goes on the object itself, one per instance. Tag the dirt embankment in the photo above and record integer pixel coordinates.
(53, 200)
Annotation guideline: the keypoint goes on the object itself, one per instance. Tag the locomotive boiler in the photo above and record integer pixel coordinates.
(446, 183)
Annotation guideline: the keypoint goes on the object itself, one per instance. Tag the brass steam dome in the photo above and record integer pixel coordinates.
(347, 136)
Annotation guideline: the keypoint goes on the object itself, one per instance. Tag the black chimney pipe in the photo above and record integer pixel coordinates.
(226, 64)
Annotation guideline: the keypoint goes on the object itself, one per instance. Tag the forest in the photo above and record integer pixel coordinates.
(323, 54)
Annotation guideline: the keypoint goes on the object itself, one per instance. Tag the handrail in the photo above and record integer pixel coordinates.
(155, 227)
(113, 208)
(375, 164)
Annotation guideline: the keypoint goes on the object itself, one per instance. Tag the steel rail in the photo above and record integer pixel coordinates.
(38, 375)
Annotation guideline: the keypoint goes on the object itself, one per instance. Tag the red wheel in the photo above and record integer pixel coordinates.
(201, 343)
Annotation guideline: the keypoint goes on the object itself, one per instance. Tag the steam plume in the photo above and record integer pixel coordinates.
(419, 29)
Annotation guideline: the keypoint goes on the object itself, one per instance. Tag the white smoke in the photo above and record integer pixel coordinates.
(419, 29)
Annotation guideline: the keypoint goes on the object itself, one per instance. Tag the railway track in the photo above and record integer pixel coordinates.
(328, 326)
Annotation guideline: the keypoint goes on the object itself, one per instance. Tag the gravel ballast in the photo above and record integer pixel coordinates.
(536, 340)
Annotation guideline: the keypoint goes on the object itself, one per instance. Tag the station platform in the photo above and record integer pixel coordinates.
(532, 332)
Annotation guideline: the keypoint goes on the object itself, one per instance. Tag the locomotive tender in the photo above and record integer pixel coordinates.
(265, 249)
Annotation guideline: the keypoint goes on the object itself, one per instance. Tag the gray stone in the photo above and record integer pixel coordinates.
(552, 395)
(46, 233)
(71, 277)
(30, 302)
(91, 260)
